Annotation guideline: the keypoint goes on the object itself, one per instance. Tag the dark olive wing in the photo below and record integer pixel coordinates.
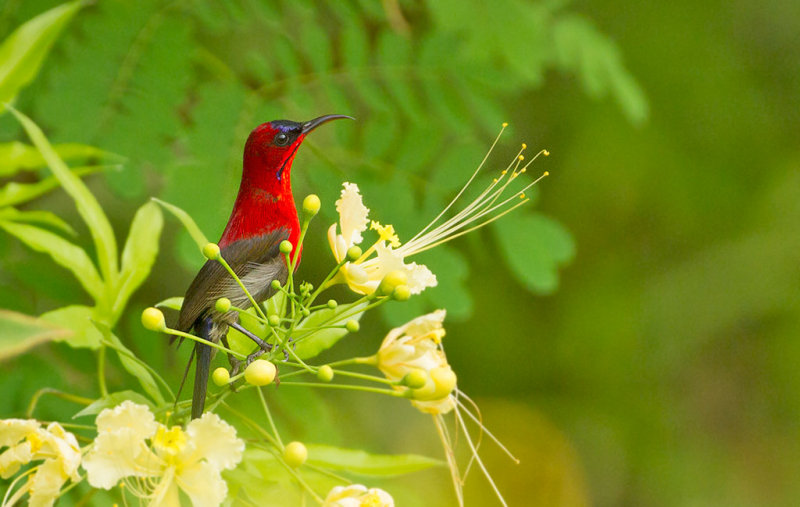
(256, 261)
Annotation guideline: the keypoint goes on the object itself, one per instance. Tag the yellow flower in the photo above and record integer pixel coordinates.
(357, 495)
(190, 460)
(388, 254)
(417, 345)
(25, 441)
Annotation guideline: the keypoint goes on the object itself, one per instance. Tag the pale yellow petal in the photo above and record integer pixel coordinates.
(214, 440)
(119, 454)
(14, 430)
(13, 458)
(166, 493)
(128, 414)
(46, 484)
(203, 484)
(352, 214)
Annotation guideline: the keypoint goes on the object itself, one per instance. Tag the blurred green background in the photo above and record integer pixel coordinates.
(632, 337)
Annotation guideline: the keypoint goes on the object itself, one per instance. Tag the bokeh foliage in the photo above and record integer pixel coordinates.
(668, 355)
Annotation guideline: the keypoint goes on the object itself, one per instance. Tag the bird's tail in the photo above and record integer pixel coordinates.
(203, 355)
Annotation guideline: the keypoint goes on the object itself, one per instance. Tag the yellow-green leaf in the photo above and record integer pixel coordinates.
(139, 254)
(16, 156)
(187, 221)
(35, 217)
(77, 318)
(19, 332)
(22, 52)
(88, 207)
(63, 252)
(15, 193)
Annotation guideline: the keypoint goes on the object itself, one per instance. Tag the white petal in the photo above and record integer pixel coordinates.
(215, 441)
(66, 448)
(419, 278)
(425, 323)
(435, 407)
(128, 414)
(352, 214)
(203, 484)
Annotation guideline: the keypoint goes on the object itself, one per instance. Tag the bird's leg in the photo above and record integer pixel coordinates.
(235, 363)
(265, 347)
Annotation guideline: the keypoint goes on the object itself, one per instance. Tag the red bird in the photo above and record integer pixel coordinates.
(264, 215)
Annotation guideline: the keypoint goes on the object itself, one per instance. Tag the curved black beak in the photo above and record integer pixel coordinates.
(316, 122)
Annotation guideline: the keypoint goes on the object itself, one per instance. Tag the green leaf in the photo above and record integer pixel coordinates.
(174, 303)
(16, 156)
(63, 252)
(364, 463)
(111, 401)
(534, 247)
(88, 207)
(78, 318)
(15, 193)
(187, 221)
(131, 363)
(20, 332)
(35, 217)
(314, 342)
(22, 52)
(139, 253)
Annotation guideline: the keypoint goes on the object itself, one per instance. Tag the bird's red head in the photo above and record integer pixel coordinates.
(265, 200)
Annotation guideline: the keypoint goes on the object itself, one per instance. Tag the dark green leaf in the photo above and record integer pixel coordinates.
(311, 342)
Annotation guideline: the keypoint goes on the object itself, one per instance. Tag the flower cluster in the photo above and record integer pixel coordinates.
(155, 461)
(26, 441)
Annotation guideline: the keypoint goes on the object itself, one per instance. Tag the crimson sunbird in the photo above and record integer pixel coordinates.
(263, 216)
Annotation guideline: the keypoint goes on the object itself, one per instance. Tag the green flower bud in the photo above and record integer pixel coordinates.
(295, 454)
(416, 378)
(221, 377)
(354, 253)
(223, 305)
(275, 284)
(286, 246)
(211, 251)
(325, 373)
(153, 319)
(401, 293)
(352, 326)
(311, 205)
(260, 372)
(274, 320)
(306, 312)
(391, 281)
(332, 304)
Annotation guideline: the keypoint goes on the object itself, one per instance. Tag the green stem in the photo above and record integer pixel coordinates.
(101, 371)
(348, 387)
(254, 425)
(328, 278)
(203, 341)
(55, 392)
(269, 418)
(293, 472)
(127, 353)
(363, 376)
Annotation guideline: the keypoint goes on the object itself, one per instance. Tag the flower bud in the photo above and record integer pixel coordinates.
(260, 372)
(286, 246)
(401, 293)
(306, 312)
(325, 373)
(221, 376)
(223, 305)
(416, 378)
(275, 284)
(354, 253)
(211, 251)
(274, 320)
(391, 281)
(295, 454)
(332, 304)
(311, 205)
(441, 384)
(153, 319)
(352, 326)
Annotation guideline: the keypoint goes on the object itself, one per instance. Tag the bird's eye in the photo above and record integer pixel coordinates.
(281, 139)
